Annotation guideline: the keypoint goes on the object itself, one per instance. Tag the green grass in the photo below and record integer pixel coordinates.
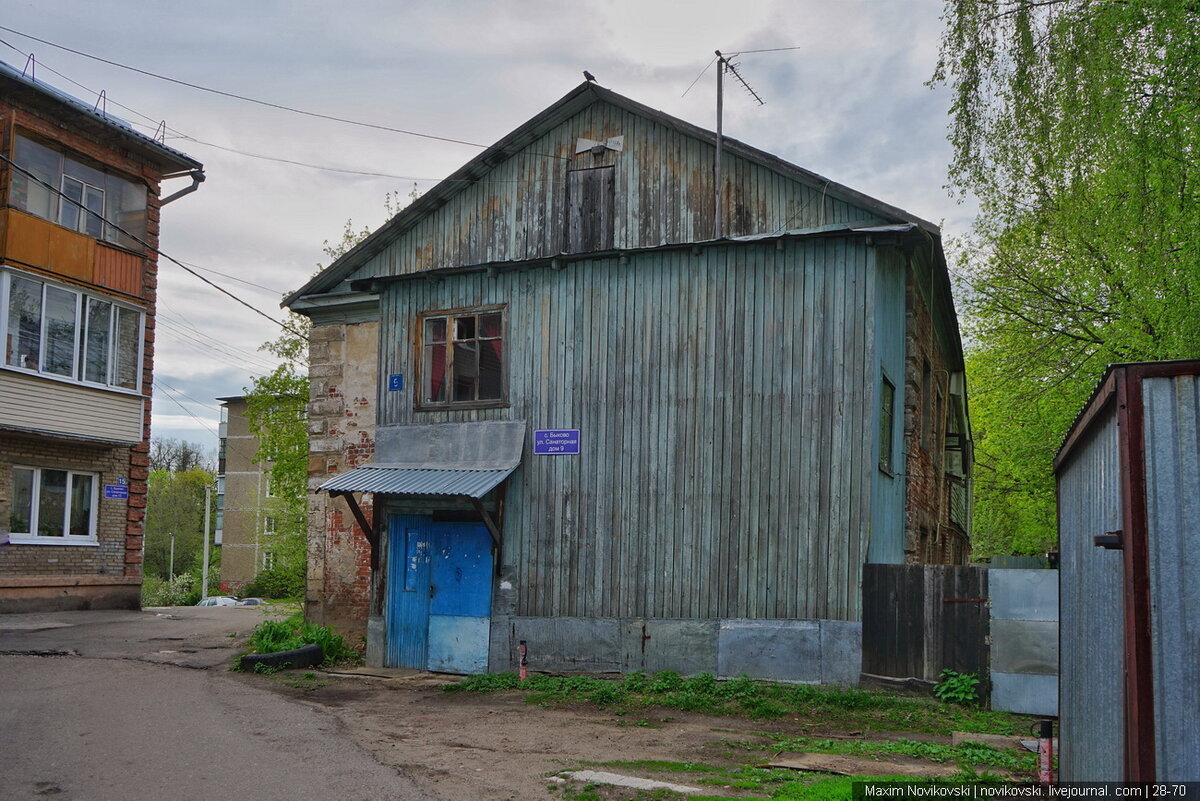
(965, 756)
(785, 785)
(271, 636)
(830, 707)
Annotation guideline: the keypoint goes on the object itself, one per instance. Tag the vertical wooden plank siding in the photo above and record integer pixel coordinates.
(722, 399)
(662, 194)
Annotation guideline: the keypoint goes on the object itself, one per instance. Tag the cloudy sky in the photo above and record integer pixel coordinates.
(849, 103)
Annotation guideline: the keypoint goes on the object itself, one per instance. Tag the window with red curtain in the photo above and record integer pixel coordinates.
(462, 357)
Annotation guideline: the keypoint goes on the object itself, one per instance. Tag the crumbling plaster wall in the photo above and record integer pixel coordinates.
(343, 367)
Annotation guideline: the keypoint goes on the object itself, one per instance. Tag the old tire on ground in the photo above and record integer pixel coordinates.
(302, 657)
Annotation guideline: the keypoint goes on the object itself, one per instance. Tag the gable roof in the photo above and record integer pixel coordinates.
(568, 106)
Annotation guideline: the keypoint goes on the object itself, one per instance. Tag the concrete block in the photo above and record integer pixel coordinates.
(783, 650)
(1025, 646)
(502, 649)
(1023, 594)
(375, 645)
(1025, 694)
(685, 646)
(841, 652)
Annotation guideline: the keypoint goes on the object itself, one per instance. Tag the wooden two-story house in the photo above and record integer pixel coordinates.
(593, 395)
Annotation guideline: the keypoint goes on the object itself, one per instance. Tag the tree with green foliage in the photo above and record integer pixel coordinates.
(1076, 123)
(276, 407)
(174, 505)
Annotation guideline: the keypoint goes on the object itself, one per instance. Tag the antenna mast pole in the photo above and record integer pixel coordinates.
(717, 228)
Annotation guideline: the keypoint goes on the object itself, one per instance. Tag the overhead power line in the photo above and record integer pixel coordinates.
(244, 98)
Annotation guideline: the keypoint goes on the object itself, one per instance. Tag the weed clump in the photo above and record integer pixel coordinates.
(272, 636)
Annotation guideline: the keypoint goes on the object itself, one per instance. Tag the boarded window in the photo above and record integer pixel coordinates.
(590, 209)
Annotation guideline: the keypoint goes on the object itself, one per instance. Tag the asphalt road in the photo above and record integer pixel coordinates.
(132, 713)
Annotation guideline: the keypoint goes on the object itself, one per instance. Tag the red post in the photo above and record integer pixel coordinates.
(1045, 751)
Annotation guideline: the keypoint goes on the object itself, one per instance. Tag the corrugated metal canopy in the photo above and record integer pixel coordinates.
(454, 459)
(405, 480)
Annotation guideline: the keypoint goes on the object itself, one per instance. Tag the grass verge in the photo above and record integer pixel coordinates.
(832, 708)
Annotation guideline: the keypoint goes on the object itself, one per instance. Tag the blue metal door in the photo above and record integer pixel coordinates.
(408, 591)
(439, 595)
(461, 606)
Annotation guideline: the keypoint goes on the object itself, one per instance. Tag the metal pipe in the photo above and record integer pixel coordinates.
(207, 512)
(197, 179)
(717, 227)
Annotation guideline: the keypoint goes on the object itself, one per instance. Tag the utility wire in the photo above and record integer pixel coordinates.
(767, 50)
(256, 101)
(272, 290)
(154, 125)
(186, 410)
(244, 98)
(178, 391)
(155, 250)
(698, 77)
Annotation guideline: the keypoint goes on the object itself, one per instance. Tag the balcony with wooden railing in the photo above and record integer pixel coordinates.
(30, 241)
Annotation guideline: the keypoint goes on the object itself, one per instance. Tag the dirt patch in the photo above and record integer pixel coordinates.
(496, 746)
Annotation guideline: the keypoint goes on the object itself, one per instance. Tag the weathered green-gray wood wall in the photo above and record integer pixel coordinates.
(726, 403)
(663, 193)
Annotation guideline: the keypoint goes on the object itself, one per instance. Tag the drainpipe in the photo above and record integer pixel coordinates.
(197, 177)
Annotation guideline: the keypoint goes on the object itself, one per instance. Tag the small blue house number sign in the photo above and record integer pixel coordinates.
(556, 442)
(395, 382)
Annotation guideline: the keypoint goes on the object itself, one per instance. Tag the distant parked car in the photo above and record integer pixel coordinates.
(218, 600)
(251, 602)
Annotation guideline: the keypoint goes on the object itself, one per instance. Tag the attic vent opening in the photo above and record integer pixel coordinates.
(590, 209)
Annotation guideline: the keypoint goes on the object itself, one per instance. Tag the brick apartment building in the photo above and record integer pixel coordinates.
(79, 223)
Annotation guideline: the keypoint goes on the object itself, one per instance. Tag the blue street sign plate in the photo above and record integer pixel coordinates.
(556, 442)
(116, 491)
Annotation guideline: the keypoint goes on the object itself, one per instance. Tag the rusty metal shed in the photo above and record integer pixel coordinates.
(1129, 501)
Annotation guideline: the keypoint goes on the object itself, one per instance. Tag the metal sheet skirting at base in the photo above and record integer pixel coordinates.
(808, 651)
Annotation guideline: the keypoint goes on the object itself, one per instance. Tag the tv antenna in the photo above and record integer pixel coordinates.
(724, 65)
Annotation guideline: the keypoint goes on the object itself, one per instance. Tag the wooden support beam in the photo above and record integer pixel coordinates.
(487, 520)
(367, 529)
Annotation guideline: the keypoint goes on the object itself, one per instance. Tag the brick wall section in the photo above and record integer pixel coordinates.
(343, 361)
(929, 536)
(111, 557)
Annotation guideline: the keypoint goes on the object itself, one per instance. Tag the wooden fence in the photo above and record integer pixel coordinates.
(920, 619)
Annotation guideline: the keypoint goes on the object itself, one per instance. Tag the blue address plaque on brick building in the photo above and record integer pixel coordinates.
(556, 442)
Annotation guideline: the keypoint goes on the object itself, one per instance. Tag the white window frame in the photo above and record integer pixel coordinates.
(31, 537)
(112, 196)
(79, 362)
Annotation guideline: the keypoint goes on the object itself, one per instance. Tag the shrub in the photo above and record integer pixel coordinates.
(272, 636)
(958, 688)
(182, 590)
(276, 582)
